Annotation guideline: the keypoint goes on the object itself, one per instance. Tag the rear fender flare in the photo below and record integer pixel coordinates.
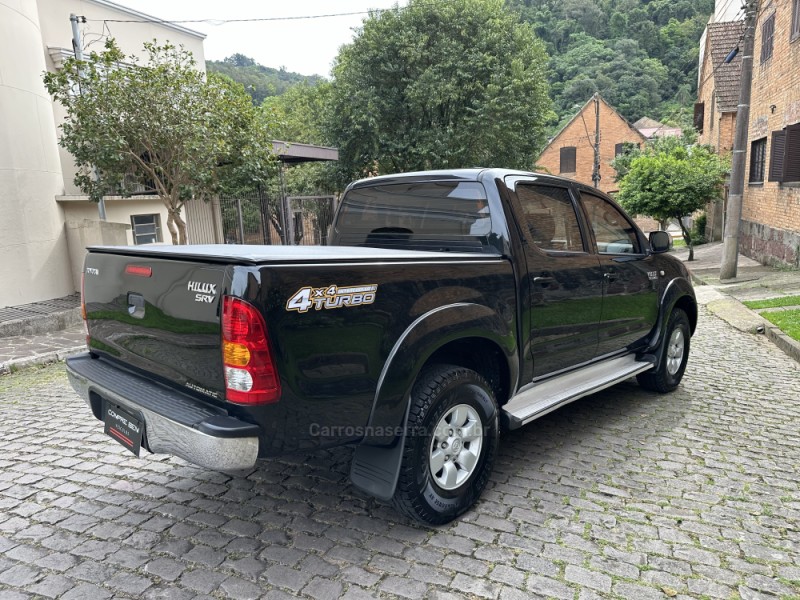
(416, 345)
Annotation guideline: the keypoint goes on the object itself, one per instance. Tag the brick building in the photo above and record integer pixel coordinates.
(717, 100)
(718, 86)
(770, 230)
(571, 152)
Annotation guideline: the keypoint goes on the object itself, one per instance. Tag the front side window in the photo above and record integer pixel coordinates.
(767, 36)
(614, 233)
(146, 229)
(568, 160)
(550, 217)
(758, 158)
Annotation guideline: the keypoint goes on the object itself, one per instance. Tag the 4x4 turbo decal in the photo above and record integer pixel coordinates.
(331, 296)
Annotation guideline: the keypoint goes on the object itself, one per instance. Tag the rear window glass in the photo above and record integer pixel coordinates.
(414, 213)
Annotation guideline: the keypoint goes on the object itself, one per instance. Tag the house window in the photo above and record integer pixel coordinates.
(767, 35)
(713, 105)
(699, 116)
(784, 158)
(795, 20)
(567, 160)
(625, 146)
(146, 229)
(758, 158)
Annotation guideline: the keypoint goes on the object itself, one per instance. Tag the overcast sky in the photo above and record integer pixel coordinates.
(304, 46)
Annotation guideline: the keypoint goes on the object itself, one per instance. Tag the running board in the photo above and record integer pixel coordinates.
(541, 398)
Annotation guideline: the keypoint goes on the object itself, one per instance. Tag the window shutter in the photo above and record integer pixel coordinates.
(767, 37)
(776, 156)
(791, 156)
(699, 116)
(568, 159)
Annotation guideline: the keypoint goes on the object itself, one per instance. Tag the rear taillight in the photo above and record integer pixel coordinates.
(83, 307)
(250, 375)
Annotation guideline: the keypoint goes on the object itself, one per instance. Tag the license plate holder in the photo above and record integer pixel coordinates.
(123, 426)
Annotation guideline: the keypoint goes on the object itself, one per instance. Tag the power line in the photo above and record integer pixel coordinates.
(249, 20)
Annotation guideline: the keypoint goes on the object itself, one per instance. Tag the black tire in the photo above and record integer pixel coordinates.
(444, 392)
(665, 377)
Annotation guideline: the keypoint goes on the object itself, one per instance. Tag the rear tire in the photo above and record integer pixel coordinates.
(668, 373)
(450, 446)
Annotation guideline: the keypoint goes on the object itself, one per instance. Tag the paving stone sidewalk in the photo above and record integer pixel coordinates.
(24, 350)
(624, 494)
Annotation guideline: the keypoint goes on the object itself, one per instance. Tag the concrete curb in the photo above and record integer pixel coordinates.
(40, 359)
(783, 341)
(39, 324)
(732, 311)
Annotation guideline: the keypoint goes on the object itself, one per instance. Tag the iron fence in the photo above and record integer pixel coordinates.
(255, 217)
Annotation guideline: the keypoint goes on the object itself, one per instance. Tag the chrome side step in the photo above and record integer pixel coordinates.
(539, 399)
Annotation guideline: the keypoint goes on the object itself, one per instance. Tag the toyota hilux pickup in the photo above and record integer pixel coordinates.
(447, 306)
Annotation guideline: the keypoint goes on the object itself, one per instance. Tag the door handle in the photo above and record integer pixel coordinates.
(544, 280)
(610, 276)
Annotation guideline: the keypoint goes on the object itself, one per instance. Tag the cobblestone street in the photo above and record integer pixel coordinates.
(624, 494)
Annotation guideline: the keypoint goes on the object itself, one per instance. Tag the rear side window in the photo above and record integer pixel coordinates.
(550, 217)
(431, 215)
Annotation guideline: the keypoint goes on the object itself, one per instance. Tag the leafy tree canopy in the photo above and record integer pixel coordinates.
(670, 179)
(158, 123)
(299, 115)
(436, 85)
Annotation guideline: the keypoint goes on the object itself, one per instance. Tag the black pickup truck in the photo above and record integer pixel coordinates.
(447, 306)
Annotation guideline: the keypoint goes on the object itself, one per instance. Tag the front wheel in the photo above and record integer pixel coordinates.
(450, 446)
(668, 373)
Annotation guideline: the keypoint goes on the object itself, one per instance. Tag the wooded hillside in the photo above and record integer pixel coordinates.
(259, 81)
(641, 55)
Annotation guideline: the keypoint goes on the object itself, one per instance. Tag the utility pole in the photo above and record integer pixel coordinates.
(733, 213)
(77, 48)
(596, 170)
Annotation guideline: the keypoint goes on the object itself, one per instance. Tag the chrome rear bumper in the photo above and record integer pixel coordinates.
(220, 448)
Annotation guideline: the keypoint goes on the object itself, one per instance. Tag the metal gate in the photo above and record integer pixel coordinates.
(254, 217)
(311, 219)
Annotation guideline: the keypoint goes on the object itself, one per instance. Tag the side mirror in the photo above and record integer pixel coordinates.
(660, 242)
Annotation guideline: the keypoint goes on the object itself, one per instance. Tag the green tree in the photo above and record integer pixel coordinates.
(162, 124)
(449, 83)
(670, 180)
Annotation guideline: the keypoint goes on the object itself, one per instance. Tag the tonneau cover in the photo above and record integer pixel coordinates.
(244, 254)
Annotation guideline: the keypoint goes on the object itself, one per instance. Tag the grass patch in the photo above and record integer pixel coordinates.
(787, 321)
(679, 243)
(773, 302)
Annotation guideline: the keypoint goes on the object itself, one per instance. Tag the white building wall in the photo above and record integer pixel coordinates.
(33, 249)
(34, 170)
(130, 37)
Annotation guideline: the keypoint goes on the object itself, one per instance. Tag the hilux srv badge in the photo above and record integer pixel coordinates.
(204, 292)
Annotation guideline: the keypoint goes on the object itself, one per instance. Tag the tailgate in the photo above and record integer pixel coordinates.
(158, 315)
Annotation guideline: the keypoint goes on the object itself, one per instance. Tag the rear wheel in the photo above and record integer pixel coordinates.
(450, 447)
(668, 373)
